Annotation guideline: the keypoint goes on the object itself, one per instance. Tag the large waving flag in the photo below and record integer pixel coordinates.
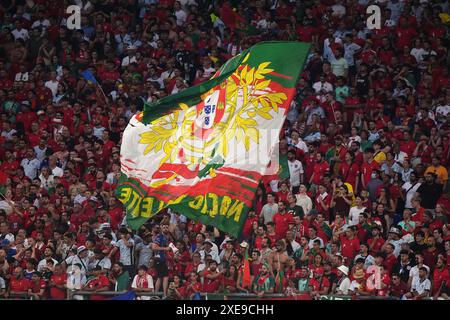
(203, 151)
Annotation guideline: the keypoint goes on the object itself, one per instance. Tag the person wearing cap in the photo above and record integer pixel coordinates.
(358, 285)
(81, 258)
(394, 238)
(343, 282)
(318, 285)
(207, 249)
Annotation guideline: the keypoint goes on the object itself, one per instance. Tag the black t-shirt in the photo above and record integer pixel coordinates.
(418, 248)
(362, 85)
(332, 278)
(403, 270)
(296, 211)
(430, 194)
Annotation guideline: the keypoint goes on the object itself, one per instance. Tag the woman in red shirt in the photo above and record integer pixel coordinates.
(229, 279)
(192, 286)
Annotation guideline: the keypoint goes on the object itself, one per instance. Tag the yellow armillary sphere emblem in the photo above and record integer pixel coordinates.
(247, 97)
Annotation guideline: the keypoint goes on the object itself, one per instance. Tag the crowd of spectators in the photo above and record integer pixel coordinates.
(361, 204)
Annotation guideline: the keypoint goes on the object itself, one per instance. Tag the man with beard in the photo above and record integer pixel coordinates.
(430, 191)
(263, 283)
(319, 285)
(212, 278)
(119, 278)
(282, 219)
(295, 171)
(278, 258)
(265, 250)
(160, 246)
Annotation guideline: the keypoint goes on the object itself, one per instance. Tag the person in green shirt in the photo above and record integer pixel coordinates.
(342, 90)
(263, 283)
(119, 279)
(283, 160)
(303, 281)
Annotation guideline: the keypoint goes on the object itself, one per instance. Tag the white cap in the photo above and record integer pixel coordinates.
(343, 269)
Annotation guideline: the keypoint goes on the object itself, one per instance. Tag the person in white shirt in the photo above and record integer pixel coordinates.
(322, 86)
(8, 132)
(80, 260)
(303, 200)
(19, 32)
(338, 9)
(343, 283)
(414, 272)
(143, 282)
(52, 164)
(52, 83)
(130, 58)
(295, 171)
(22, 75)
(420, 286)
(355, 211)
(297, 142)
(48, 252)
(30, 164)
(5, 234)
(180, 14)
(410, 188)
(208, 245)
(100, 260)
(41, 22)
(47, 181)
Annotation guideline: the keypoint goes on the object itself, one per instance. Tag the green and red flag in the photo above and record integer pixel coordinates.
(203, 151)
(246, 276)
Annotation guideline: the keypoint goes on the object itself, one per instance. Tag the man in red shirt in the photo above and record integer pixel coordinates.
(321, 168)
(282, 219)
(441, 276)
(9, 165)
(390, 259)
(57, 283)
(98, 283)
(407, 145)
(18, 285)
(319, 285)
(212, 278)
(367, 167)
(376, 241)
(37, 286)
(349, 244)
